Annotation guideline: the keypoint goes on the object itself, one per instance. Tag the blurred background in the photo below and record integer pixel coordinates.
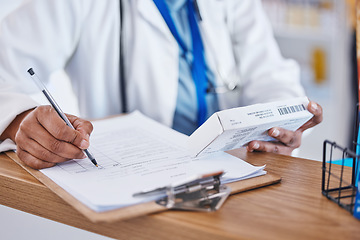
(318, 34)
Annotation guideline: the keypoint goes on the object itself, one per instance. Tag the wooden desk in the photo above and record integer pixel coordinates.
(293, 209)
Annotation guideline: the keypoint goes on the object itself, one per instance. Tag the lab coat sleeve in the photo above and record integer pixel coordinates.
(265, 74)
(41, 34)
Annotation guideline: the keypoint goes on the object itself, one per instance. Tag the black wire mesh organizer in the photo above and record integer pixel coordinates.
(339, 172)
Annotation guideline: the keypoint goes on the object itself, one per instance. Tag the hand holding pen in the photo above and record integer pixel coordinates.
(44, 139)
(57, 108)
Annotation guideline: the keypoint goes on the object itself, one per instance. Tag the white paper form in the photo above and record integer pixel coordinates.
(134, 154)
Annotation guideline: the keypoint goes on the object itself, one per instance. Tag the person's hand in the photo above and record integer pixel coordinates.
(43, 138)
(287, 140)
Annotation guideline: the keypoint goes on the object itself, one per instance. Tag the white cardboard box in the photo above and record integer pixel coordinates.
(234, 128)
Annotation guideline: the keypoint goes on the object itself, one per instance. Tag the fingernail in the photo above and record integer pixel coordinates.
(313, 106)
(275, 133)
(256, 146)
(83, 156)
(84, 144)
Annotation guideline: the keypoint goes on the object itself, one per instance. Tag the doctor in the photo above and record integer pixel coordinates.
(175, 61)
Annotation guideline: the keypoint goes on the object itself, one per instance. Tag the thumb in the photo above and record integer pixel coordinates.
(317, 111)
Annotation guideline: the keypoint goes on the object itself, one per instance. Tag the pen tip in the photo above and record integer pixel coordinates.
(96, 165)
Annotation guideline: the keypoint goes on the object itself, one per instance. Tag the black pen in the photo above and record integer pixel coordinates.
(57, 108)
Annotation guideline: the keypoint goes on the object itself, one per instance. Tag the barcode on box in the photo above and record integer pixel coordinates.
(291, 109)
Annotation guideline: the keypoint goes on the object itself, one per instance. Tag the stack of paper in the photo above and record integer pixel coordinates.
(136, 154)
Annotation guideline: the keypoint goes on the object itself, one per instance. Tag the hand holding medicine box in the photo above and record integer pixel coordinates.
(233, 128)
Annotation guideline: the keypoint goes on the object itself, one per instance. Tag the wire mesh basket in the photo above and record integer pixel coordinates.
(339, 172)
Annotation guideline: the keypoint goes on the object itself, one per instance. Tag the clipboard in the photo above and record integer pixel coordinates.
(154, 206)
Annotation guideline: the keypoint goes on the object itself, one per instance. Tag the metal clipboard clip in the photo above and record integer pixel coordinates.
(202, 193)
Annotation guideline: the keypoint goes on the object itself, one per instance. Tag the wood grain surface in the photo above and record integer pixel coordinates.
(293, 209)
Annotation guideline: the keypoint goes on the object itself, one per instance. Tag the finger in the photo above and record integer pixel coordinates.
(270, 147)
(41, 153)
(81, 125)
(252, 146)
(287, 137)
(29, 130)
(32, 161)
(51, 121)
(317, 111)
(60, 148)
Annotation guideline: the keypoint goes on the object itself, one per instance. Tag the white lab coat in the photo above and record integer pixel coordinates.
(82, 37)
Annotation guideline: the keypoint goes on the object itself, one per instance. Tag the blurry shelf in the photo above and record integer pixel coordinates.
(304, 34)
